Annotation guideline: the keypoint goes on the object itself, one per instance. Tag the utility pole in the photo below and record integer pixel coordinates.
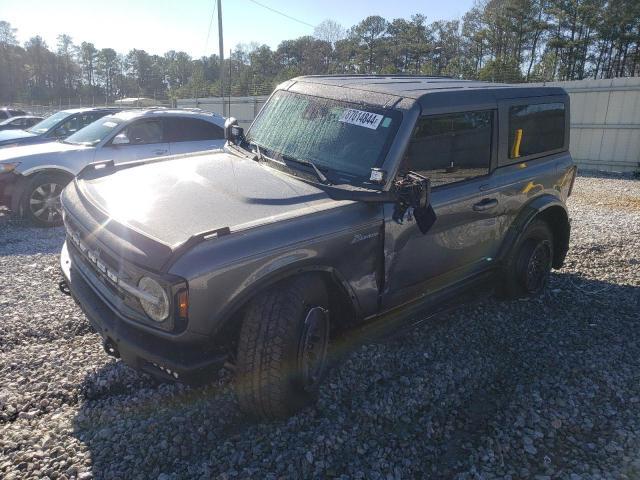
(221, 53)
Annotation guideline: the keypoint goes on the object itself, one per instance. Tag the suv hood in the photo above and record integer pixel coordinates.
(7, 135)
(30, 154)
(172, 200)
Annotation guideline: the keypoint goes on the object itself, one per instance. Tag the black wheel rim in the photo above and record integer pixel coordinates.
(312, 352)
(538, 267)
(44, 202)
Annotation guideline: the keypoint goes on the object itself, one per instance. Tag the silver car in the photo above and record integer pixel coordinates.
(32, 176)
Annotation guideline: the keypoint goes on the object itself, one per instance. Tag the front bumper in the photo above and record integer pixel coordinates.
(187, 362)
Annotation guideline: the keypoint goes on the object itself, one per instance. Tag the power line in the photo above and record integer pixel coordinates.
(283, 14)
(213, 13)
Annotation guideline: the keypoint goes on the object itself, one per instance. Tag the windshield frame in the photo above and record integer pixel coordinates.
(62, 118)
(351, 178)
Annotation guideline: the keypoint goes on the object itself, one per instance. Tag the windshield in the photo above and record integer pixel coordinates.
(45, 125)
(334, 135)
(95, 132)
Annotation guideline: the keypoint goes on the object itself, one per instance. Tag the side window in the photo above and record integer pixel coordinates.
(18, 123)
(144, 132)
(192, 130)
(535, 128)
(69, 126)
(452, 148)
(87, 118)
(3, 115)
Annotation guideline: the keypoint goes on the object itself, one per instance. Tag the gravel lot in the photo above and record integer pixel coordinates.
(540, 388)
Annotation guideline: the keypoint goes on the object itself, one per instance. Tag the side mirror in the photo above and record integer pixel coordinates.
(233, 132)
(414, 192)
(120, 139)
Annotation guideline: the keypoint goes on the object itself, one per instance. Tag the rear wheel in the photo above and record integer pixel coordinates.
(282, 349)
(41, 200)
(528, 266)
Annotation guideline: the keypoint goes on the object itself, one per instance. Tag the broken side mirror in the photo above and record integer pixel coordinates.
(233, 132)
(414, 200)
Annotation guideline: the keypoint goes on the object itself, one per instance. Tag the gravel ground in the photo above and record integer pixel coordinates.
(539, 388)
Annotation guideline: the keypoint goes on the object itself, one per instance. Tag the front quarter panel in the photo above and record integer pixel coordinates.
(70, 162)
(343, 240)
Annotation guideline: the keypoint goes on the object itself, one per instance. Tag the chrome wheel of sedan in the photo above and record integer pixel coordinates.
(44, 203)
(40, 202)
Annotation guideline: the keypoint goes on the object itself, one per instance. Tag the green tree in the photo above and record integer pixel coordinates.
(369, 34)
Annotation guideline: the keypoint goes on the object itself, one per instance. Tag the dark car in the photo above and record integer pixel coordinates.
(20, 123)
(352, 202)
(8, 112)
(55, 127)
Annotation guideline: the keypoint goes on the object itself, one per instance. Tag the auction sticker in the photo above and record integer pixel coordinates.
(361, 118)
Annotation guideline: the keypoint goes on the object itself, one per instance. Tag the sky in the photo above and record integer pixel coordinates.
(161, 25)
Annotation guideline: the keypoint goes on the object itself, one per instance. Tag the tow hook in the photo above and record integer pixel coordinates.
(64, 287)
(111, 348)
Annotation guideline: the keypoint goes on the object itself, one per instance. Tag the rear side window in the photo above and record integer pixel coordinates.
(192, 130)
(536, 128)
(452, 148)
(3, 115)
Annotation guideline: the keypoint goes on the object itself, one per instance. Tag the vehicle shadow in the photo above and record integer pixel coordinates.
(295, 200)
(492, 366)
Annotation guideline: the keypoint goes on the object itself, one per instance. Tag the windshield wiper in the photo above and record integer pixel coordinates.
(257, 152)
(323, 179)
(261, 157)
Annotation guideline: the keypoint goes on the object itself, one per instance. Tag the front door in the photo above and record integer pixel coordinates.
(145, 140)
(455, 151)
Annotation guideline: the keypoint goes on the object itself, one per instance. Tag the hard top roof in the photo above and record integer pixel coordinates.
(419, 87)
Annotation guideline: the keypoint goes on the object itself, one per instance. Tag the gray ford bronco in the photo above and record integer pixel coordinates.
(350, 201)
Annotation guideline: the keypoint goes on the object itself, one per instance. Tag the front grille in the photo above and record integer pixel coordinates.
(116, 280)
(105, 269)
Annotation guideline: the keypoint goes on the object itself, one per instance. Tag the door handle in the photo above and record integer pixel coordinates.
(486, 204)
(159, 151)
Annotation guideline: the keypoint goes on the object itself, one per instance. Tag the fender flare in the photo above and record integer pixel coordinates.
(554, 211)
(224, 318)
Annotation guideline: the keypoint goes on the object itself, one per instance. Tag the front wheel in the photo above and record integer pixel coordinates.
(282, 349)
(528, 266)
(41, 201)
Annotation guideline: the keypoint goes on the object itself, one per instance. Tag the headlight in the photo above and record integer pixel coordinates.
(8, 167)
(157, 310)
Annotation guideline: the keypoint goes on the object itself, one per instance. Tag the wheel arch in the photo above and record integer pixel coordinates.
(341, 297)
(28, 176)
(25, 179)
(554, 213)
(57, 169)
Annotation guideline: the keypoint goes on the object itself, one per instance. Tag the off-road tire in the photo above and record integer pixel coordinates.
(521, 277)
(40, 180)
(269, 381)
